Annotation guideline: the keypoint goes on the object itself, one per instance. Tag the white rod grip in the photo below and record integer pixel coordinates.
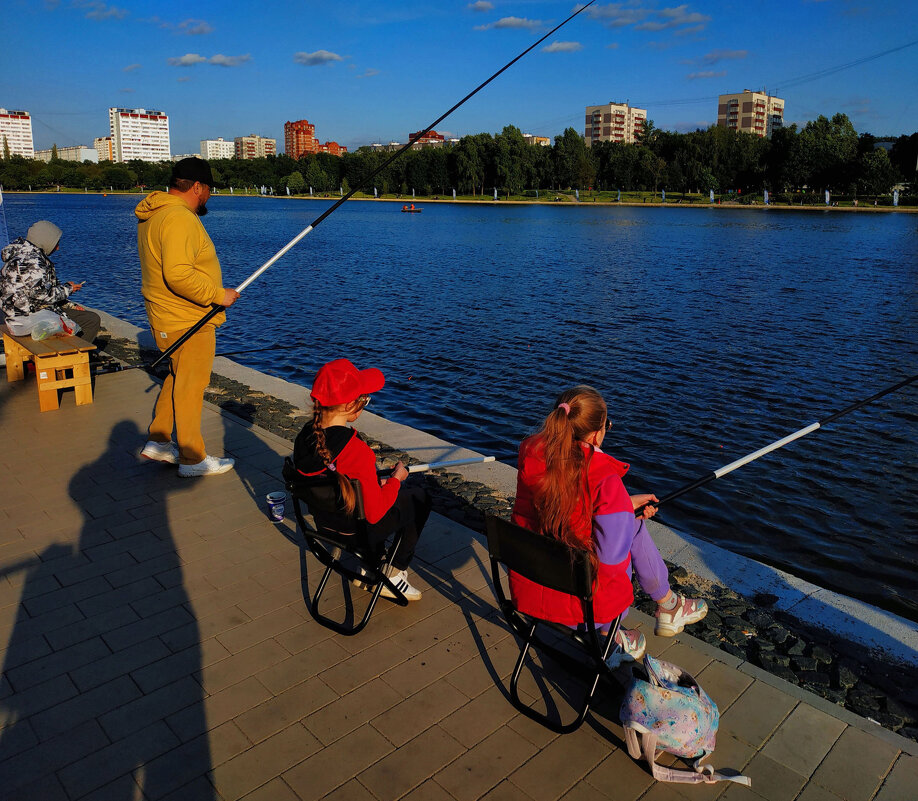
(423, 468)
(728, 468)
(274, 258)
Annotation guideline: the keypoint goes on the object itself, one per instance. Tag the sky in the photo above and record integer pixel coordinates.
(375, 71)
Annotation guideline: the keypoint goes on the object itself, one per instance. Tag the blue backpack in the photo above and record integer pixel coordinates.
(667, 707)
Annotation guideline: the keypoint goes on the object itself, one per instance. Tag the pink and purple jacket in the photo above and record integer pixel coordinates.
(613, 531)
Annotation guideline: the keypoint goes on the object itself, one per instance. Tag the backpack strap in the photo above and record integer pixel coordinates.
(648, 749)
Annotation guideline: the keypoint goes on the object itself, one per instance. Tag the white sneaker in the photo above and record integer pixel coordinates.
(161, 452)
(400, 580)
(208, 466)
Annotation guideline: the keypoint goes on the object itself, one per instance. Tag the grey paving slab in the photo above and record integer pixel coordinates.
(154, 639)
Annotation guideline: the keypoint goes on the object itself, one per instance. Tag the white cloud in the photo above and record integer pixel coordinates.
(219, 60)
(317, 58)
(694, 76)
(562, 47)
(680, 18)
(229, 61)
(369, 73)
(188, 60)
(481, 5)
(95, 9)
(513, 23)
(195, 27)
(131, 67)
(722, 55)
(618, 15)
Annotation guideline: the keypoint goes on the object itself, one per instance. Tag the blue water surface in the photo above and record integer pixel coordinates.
(710, 332)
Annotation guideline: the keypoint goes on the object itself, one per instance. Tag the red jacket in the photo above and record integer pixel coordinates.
(611, 532)
(353, 458)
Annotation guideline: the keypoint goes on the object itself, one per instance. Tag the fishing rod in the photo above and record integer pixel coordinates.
(428, 466)
(216, 309)
(751, 457)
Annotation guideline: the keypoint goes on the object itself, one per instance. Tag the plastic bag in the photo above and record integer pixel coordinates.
(41, 325)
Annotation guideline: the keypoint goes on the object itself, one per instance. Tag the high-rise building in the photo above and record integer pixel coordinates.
(16, 133)
(614, 122)
(139, 134)
(74, 153)
(217, 149)
(254, 147)
(300, 138)
(757, 113)
(105, 147)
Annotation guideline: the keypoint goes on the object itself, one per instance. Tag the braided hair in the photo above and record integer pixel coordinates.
(348, 495)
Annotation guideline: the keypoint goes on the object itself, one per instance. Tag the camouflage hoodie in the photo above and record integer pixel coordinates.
(28, 281)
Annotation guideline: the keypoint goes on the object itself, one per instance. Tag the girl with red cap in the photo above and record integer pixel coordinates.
(328, 446)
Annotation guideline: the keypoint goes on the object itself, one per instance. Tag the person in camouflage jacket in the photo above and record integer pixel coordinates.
(29, 283)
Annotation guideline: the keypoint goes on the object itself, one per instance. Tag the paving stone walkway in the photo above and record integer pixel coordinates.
(155, 644)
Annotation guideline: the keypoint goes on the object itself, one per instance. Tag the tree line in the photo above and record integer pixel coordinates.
(826, 154)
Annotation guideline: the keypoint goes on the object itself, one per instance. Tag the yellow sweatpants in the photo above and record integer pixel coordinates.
(181, 399)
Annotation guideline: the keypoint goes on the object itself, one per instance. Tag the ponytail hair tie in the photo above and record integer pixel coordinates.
(566, 407)
(331, 466)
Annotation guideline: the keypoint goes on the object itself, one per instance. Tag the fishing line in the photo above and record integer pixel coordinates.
(780, 443)
(217, 309)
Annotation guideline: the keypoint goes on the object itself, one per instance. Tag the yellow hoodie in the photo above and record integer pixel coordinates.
(180, 269)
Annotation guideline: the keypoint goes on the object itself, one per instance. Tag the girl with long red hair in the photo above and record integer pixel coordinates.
(568, 489)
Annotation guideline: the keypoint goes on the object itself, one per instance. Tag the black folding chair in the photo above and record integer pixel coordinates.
(558, 567)
(336, 534)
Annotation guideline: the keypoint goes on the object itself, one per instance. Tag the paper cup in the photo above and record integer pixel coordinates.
(276, 502)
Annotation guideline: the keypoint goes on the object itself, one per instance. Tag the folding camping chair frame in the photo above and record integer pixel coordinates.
(322, 496)
(559, 567)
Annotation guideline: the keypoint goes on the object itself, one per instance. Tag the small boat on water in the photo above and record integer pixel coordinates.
(411, 209)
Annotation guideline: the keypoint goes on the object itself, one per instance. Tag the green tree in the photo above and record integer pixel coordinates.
(316, 177)
(295, 182)
(876, 174)
(568, 152)
(6, 148)
(829, 149)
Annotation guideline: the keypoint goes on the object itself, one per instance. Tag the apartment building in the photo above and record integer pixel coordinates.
(75, 153)
(16, 133)
(541, 141)
(300, 138)
(757, 113)
(105, 147)
(614, 122)
(429, 139)
(333, 149)
(217, 148)
(139, 134)
(254, 147)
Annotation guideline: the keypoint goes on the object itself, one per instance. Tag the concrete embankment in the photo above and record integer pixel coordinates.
(847, 651)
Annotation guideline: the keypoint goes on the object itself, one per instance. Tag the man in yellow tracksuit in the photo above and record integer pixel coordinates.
(181, 281)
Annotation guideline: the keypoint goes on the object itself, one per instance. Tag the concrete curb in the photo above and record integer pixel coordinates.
(886, 635)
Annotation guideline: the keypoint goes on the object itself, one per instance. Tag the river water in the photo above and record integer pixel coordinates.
(710, 332)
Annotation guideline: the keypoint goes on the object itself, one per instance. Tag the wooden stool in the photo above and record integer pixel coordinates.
(60, 363)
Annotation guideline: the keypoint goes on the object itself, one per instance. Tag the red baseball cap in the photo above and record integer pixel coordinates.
(340, 382)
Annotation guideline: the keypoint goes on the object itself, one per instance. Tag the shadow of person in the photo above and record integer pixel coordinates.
(99, 686)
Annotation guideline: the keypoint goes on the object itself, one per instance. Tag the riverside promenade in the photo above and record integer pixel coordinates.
(155, 644)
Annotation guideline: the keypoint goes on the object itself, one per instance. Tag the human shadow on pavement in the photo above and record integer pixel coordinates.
(100, 685)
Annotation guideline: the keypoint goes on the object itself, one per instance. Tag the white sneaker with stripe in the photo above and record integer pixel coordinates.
(400, 580)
